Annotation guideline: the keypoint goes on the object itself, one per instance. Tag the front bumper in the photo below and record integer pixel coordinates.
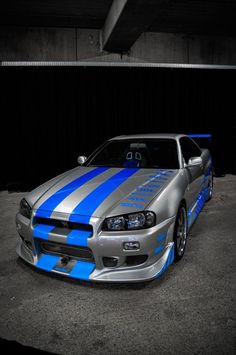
(156, 243)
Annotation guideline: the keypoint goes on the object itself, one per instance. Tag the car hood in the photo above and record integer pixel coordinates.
(87, 192)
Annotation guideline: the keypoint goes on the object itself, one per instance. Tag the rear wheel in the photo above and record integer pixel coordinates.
(210, 186)
(180, 232)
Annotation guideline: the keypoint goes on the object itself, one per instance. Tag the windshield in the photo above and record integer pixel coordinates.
(141, 153)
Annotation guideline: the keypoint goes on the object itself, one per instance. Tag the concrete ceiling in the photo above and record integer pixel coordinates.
(123, 21)
(198, 17)
(55, 13)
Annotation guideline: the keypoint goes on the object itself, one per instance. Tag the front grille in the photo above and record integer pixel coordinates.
(63, 224)
(66, 250)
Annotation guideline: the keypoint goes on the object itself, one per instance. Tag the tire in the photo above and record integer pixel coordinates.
(180, 232)
(210, 185)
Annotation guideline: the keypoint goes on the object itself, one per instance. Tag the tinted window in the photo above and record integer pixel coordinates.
(189, 148)
(142, 153)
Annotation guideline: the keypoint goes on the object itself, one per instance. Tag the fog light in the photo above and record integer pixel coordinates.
(131, 245)
(109, 261)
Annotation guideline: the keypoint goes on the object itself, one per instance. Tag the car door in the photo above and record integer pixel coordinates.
(194, 173)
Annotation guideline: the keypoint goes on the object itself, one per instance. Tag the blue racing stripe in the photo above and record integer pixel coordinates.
(47, 262)
(90, 203)
(47, 207)
(42, 231)
(82, 270)
(168, 262)
(78, 237)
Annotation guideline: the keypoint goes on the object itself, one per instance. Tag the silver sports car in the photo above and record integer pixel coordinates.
(121, 216)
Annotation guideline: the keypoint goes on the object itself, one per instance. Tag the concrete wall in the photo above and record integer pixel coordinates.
(180, 48)
(22, 44)
(68, 44)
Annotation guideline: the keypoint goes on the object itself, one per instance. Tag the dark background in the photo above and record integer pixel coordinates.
(54, 114)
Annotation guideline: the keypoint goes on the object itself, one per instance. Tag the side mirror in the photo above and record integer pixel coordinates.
(194, 161)
(81, 159)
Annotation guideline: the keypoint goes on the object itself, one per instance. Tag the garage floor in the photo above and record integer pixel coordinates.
(190, 309)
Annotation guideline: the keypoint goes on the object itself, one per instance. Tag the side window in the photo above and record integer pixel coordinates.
(189, 148)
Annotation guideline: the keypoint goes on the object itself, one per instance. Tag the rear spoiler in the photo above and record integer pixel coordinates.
(204, 135)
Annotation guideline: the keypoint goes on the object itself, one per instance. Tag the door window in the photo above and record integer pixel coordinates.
(189, 148)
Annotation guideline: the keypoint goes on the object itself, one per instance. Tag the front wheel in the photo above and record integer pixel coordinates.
(180, 232)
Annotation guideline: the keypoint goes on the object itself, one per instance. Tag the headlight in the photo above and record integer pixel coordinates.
(25, 208)
(141, 220)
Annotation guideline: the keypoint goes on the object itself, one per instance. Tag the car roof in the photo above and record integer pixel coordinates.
(149, 136)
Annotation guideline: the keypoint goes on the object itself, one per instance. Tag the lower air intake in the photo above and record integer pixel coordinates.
(66, 250)
(133, 260)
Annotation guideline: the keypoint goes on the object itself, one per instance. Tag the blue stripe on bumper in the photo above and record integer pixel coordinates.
(85, 209)
(161, 237)
(42, 231)
(159, 249)
(47, 262)
(82, 270)
(47, 207)
(78, 237)
(169, 261)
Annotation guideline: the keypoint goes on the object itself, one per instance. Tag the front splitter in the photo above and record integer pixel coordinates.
(84, 270)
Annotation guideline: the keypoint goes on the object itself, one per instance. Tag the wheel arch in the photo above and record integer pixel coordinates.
(182, 205)
(183, 202)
